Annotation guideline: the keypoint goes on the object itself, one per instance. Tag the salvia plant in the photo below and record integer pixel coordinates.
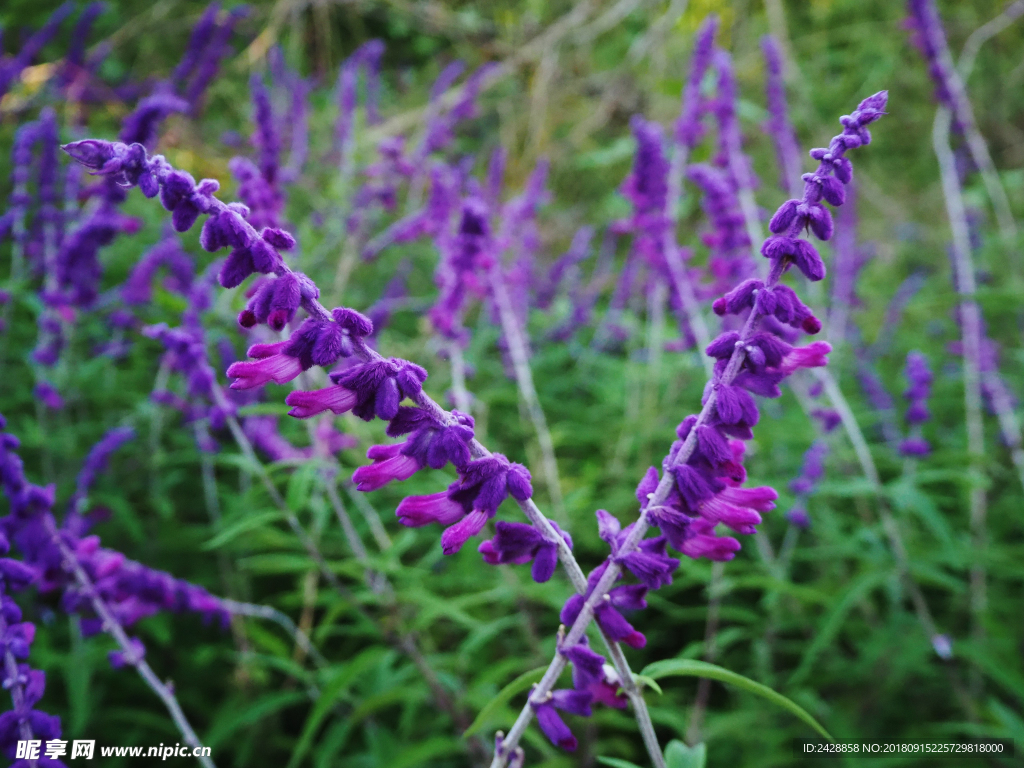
(253, 307)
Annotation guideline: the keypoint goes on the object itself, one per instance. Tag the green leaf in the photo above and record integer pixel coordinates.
(907, 497)
(691, 668)
(614, 762)
(419, 754)
(679, 755)
(834, 621)
(241, 716)
(647, 682)
(520, 684)
(300, 485)
(247, 523)
(616, 152)
(329, 696)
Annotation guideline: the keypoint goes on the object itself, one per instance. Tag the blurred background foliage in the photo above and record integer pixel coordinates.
(837, 634)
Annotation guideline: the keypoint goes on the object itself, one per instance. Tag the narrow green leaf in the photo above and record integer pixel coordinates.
(679, 755)
(247, 523)
(614, 762)
(834, 621)
(247, 715)
(419, 754)
(520, 684)
(691, 668)
(329, 696)
(648, 682)
(300, 486)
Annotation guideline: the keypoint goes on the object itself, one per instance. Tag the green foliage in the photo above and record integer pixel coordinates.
(691, 668)
(835, 628)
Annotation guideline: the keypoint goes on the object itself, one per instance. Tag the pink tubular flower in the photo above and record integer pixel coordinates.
(706, 544)
(417, 511)
(305, 404)
(389, 463)
(455, 536)
(271, 364)
(811, 356)
(738, 508)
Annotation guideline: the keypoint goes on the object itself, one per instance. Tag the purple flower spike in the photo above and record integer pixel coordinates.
(834, 171)
(813, 469)
(96, 462)
(606, 613)
(370, 389)
(484, 484)
(307, 404)
(142, 125)
(689, 129)
(271, 365)
(276, 301)
(778, 126)
(915, 446)
(316, 342)
(48, 395)
(518, 543)
(429, 444)
(920, 377)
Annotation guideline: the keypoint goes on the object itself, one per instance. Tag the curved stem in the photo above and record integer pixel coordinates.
(115, 630)
(681, 453)
(961, 105)
(281, 619)
(971, 327)
(524, 378)
(17, 689)
(676, 267)
(463, 401)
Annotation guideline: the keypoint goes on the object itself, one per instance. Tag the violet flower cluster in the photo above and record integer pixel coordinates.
(778, 125)
(70, 264)
(371, 388)
(128, 590)
(11, 67)
(26, 686)
(919, 376)
(701, 483)
(806, 483)
(702, 476)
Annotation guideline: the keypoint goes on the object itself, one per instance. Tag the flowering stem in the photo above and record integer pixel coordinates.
(463, 402)
(12, 677)
(676, 268)
(524, 378)
(656, 297)
(579, 583)
(1009, 425)
(988, 30)
(960, 104)
(115, 630)
(970, 323)
(638, 530)
(998, 395)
